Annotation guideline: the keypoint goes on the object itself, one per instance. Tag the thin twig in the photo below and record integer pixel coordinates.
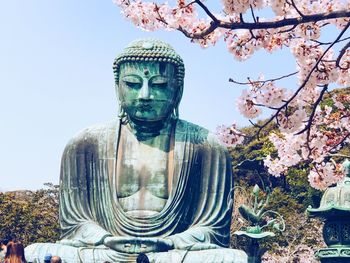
(262, 81)
(265, 106)
(190, 3)
(207, 11)
(241, 17)
(160, 17)
(297, 9)
(341, 142)
(328, 43)
(313, 112)
(288, 30)
(311, 118)
(341, 54)
(253, 15)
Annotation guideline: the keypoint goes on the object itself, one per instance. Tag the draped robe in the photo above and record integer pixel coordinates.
(198, 210)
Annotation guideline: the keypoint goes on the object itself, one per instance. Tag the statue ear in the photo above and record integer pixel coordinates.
(176, 113)
(177, 102)
(122, 116)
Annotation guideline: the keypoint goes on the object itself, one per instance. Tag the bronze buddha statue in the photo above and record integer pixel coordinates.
(148, 182)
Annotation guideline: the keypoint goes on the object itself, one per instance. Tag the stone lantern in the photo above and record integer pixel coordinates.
(335, 210)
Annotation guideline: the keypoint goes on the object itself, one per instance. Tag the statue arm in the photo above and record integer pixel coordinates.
(210, 227)
(86, 234)
(78, 223)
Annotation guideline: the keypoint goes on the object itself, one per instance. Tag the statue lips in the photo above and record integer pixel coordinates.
(145, 107)
(149, 105)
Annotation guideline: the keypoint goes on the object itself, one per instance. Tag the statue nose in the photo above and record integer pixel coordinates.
(145, 92)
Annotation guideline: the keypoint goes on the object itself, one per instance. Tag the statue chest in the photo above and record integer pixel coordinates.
(142, 174)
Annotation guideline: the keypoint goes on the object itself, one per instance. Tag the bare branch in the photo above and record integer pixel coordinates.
(265, 106)
(262, 81)
(253, 15)
(191, 3)
(341, 54)
(328, 43)
(312, 115)
(241, 18)
(254, 124)
(341, 142)
(297, 9)
(206, 10)
(289, 29)
(204, 33)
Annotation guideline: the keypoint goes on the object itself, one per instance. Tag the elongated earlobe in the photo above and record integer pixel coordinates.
(176, 113)
(123, 117)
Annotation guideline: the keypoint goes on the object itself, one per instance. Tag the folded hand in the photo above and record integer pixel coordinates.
(137, 244)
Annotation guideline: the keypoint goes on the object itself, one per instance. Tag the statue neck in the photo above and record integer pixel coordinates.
(147, 130)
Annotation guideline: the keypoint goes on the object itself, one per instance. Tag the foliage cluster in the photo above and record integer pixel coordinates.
(30, 216)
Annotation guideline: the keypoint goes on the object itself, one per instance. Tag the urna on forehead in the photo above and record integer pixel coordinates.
(150, 50)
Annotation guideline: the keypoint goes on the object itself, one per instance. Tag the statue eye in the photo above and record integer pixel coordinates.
(159, 82)
(133, 85)
(132, 82)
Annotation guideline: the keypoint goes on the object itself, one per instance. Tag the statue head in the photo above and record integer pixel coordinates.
(149, 78)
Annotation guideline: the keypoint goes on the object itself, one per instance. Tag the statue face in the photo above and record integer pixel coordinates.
(147, 90)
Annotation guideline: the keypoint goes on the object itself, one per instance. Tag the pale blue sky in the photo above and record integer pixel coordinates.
(56, 78)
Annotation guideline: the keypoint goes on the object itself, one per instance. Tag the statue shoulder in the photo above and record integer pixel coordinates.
(200, 134)
(194, 130)
(92, 134)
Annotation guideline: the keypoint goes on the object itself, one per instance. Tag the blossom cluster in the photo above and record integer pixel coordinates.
(229, 136)
(330, 128)
(260, 93)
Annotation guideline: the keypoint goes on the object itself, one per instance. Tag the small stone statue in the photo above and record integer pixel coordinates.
(148, 182)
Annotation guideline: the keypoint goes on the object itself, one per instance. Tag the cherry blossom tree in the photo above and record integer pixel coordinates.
(309, 131)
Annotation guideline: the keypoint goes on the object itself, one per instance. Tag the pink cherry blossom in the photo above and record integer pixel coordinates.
(246, 105)
(325, 174)
(229, 136)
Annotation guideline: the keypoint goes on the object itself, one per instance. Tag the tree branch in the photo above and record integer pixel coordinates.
(297, 9)
(265, 25)
(253, 15)
(285, 105)
(328, 43)
(341, 142)
(262, 81)
(207, 11)
(313, 111)
(316, 65)
(311, 117)
(341, 54)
